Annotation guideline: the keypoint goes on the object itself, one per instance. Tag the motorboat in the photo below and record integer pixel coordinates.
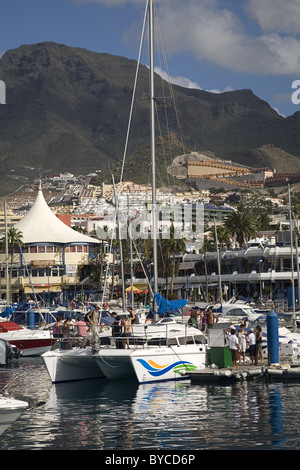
(237, 313)
(7, 352)
(10, 410)
(31, 342)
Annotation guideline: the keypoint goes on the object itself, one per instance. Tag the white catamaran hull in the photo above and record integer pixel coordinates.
(71, 365)
(151, 364)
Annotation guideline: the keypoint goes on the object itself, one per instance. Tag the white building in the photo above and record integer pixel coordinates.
(51, 256)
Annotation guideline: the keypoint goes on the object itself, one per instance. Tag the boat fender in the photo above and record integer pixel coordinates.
(275, 371)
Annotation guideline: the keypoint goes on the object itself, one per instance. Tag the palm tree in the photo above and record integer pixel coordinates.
(241, 225)
(207, 246)
(223, 235)
(170, 247)
(14, 238)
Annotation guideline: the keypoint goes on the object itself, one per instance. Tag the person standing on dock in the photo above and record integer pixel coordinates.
(243, 343)
(234, 346)
(252, 345)
(258, 349)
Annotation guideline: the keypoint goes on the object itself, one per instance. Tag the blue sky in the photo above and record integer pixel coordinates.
(215, 45)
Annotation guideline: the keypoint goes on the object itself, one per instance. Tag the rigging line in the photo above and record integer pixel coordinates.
(169, 80)
(162, 146)
(140, 260)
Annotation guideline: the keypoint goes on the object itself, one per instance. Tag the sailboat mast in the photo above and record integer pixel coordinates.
(152, 128)
(292, 257)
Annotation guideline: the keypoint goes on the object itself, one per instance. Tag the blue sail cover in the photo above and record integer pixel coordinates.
(7, 313)
(168, 305)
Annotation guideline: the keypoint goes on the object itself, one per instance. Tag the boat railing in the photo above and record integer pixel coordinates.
(120, 340)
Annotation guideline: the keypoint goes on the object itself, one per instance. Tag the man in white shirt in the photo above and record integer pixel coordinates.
(234, 346)
(252, 342)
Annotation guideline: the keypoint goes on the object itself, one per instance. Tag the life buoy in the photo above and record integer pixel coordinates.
(106, 306)
(149, 320)
(72, 305)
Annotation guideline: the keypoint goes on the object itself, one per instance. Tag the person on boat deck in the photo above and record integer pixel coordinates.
(93, 315)
(234, 346)
(81, 328)
(116, 328)
(195, 318)
(132, 315)
(127, 330)
(199, 317)
(57, 328)
(67, 330)
(204, 320)
(211, 318)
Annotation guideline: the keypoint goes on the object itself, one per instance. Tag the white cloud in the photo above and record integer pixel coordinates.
(211, 30)
(282, 16)
(181, 81)
(215, 33)
(186, 82)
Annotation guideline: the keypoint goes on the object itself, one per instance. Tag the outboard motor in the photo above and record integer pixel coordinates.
(7, 352)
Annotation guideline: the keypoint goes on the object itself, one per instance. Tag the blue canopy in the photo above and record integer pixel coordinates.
(7, 313)
(106, 318)
(168, 305)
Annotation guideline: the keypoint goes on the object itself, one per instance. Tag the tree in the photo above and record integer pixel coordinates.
(241, 225)
(223, 235)
(207, 246)
(170, 247)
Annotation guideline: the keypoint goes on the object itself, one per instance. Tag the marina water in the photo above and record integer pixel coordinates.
(167, 416)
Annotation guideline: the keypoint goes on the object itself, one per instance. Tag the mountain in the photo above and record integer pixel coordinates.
(67, 109)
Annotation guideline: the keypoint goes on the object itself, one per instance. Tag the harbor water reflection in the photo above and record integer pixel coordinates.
(103, 415)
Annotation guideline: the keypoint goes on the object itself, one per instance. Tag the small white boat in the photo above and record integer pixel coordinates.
(237, 313)
(10, 410)
(30, 342)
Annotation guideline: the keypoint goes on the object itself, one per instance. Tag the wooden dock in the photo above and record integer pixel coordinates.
(244, 372)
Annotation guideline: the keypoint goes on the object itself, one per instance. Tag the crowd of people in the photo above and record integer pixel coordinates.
(238, 342)
(202, 320)
(80, 332)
